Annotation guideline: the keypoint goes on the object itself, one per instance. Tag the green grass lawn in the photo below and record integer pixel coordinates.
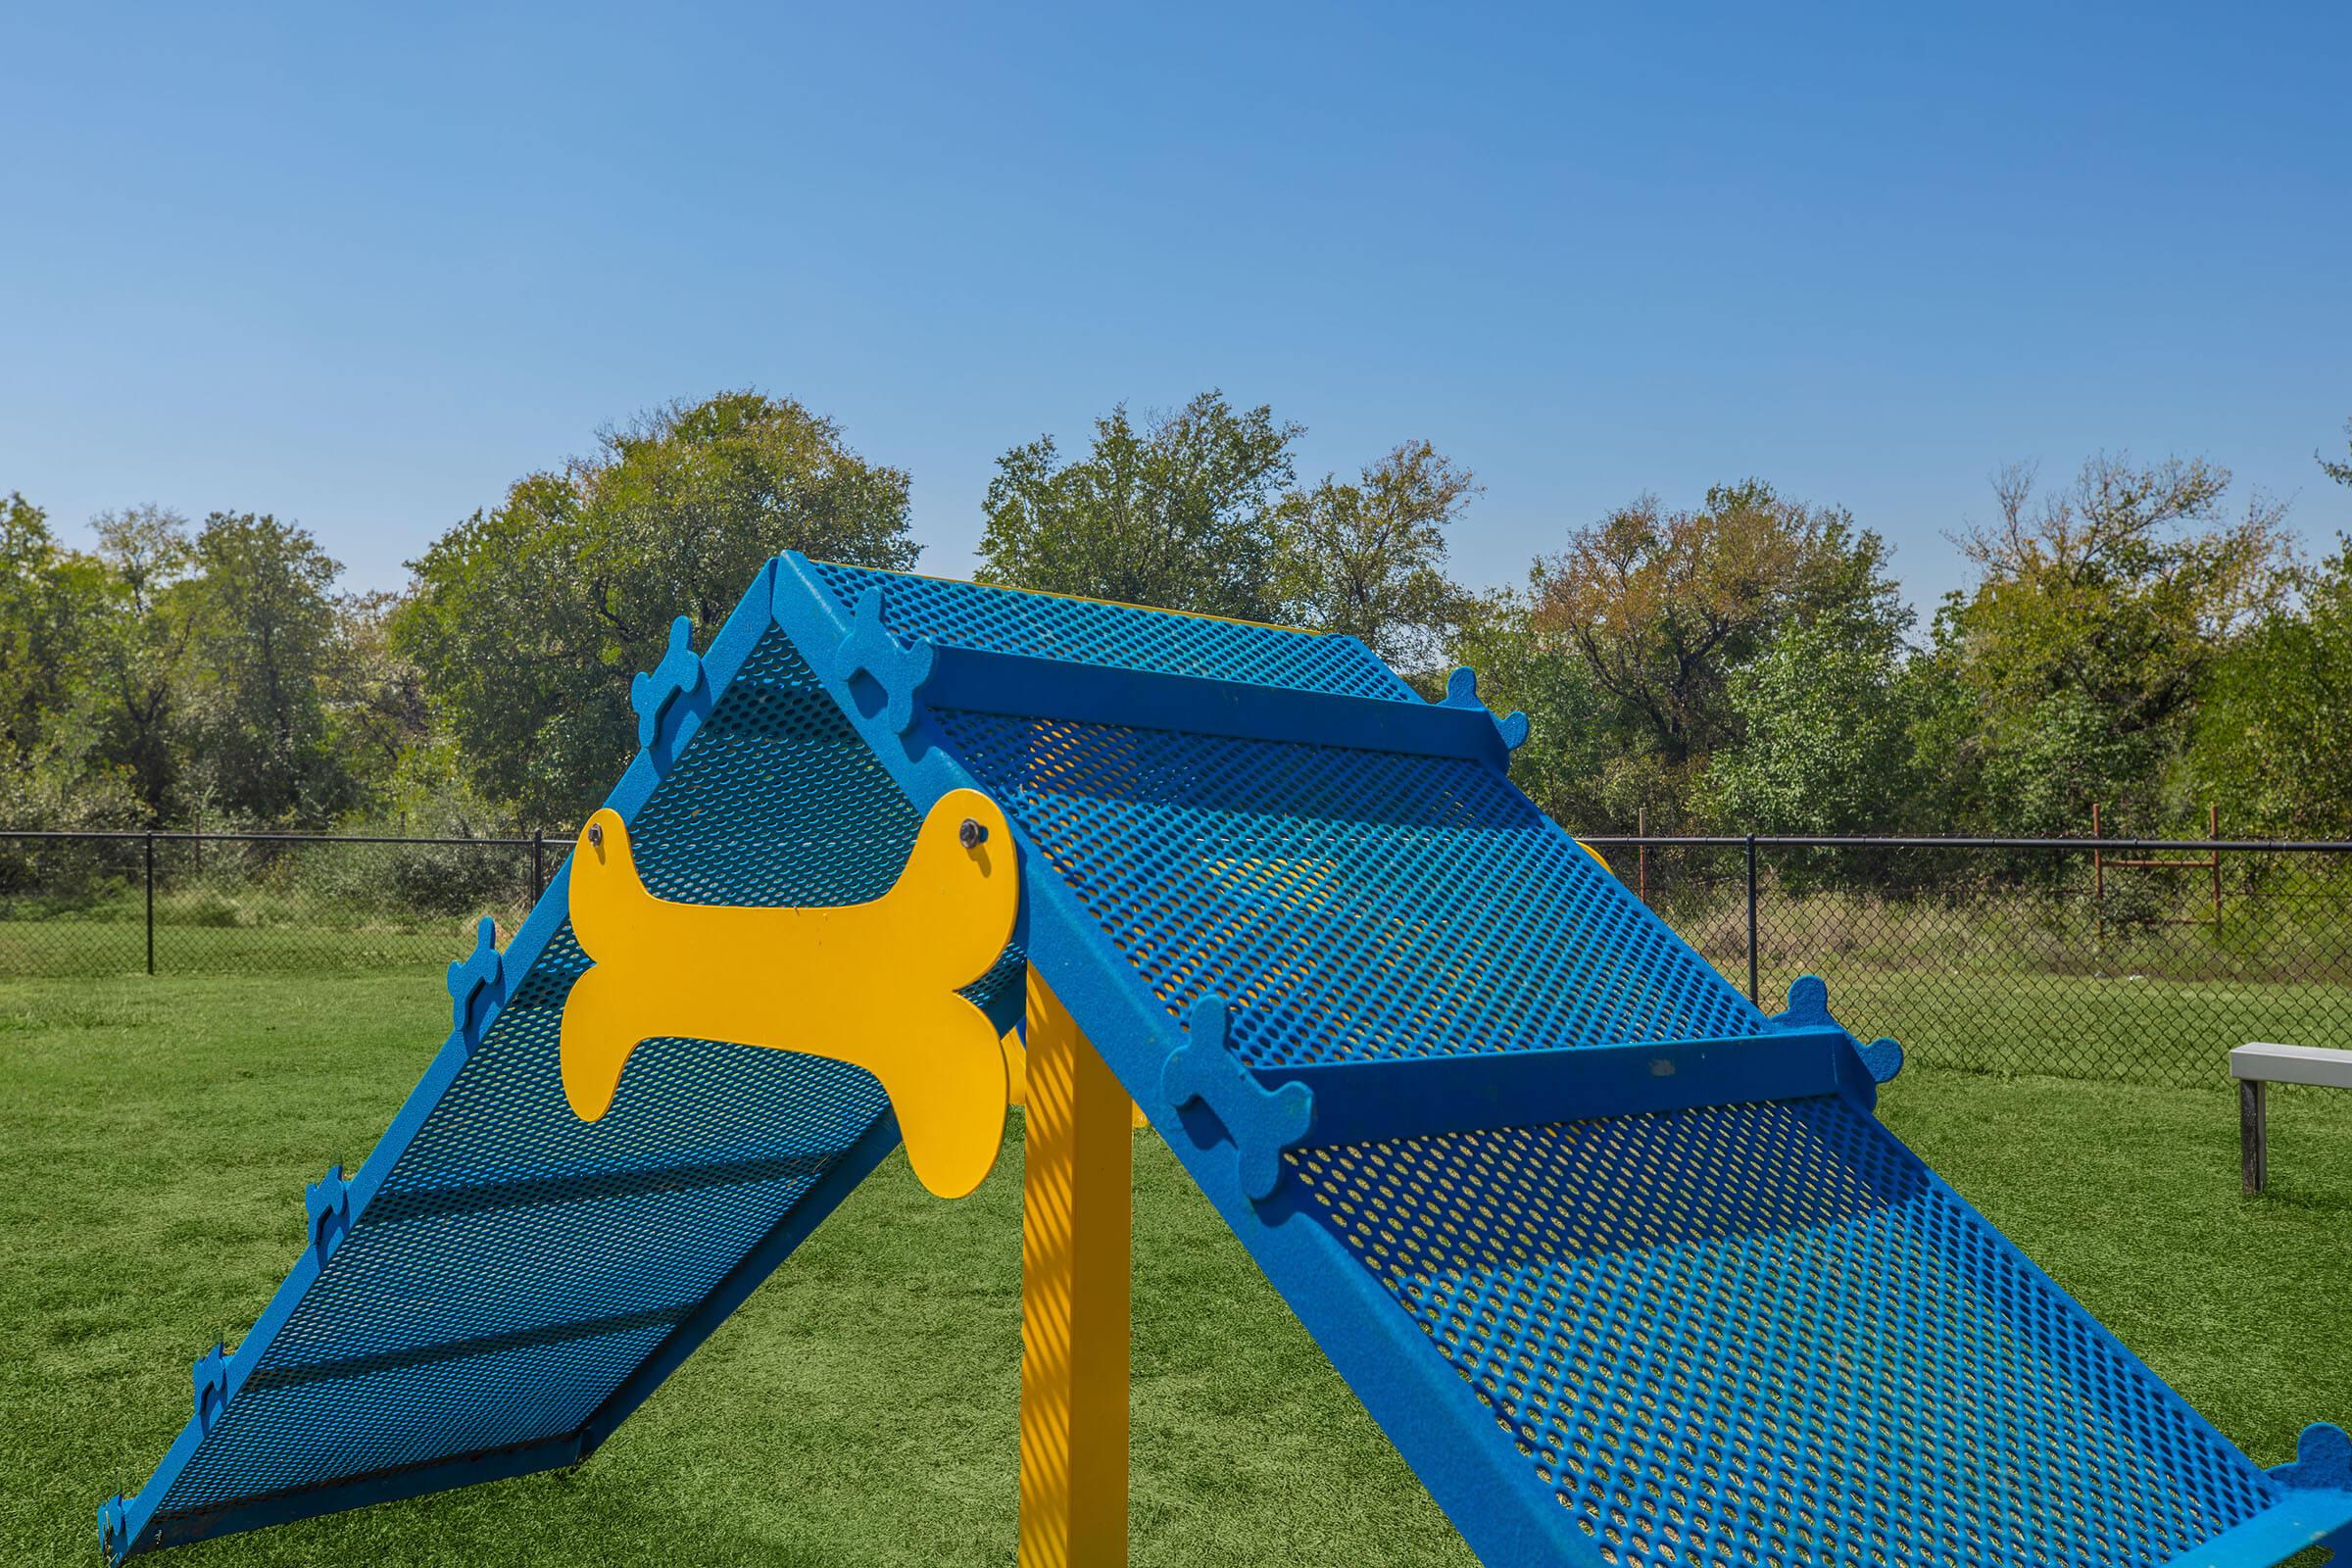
(155, 1136)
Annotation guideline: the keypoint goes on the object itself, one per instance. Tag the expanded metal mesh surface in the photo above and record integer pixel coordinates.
(520, 1263)
(1355, 903)
(1004, 621)
(1762, 1335)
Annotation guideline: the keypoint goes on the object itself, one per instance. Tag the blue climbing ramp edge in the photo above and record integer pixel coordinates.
(1630, 1272)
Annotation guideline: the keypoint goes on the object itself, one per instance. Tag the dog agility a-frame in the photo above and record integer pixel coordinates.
(1629, 1272)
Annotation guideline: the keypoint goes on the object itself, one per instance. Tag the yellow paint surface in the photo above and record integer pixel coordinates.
(1016, 1072)
(872, 984)
(1016, 1068)
(1077, 1200)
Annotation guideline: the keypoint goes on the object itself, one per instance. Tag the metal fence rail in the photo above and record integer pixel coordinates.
(2070, 957)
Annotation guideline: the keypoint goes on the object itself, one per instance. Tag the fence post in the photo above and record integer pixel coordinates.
(2098, 880)
(538, 865)
(151, 901)
(1751, 919)
(1754, 918)
(1642, 854)
(2213, 834)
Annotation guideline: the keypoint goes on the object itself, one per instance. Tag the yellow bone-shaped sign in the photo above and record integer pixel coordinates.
(872, 984)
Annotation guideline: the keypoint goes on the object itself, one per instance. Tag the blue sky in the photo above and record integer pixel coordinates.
(363, 268)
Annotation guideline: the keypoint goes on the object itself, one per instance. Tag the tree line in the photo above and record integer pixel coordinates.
(2134, 635)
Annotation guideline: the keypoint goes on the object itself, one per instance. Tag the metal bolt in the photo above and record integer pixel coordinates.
(971, 835)
(595, 833)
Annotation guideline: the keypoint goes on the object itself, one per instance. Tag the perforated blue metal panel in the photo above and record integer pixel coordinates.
(1763, 1333)
(1005, 621)
(1360, 904)
(515, 1267)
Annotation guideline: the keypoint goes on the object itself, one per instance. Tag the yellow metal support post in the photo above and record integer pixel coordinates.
(1076, 1209)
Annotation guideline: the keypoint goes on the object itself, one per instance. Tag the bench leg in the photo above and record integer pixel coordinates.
(2253, 1144)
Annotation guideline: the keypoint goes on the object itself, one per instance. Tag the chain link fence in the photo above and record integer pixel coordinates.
(2137, 960)
(2126, 959)
(105, 903)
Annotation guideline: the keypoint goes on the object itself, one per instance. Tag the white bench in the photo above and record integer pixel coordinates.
(2255, 1066)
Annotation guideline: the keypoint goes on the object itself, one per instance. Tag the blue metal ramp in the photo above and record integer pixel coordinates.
(1629, 1272)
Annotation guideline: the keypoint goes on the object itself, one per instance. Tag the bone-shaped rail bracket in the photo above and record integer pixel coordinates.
(883, 673)
(328, 1204)
(211, 1376)
(2322, 1459)
(1262, 1122)
(1461, 691)
(114, 1522)
(870, 984)
(478, 985)
(678, 678)
(1809, 1008)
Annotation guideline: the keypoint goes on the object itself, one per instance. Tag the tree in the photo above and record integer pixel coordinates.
(2340, 473)
(1663, 607)
(49, 599)
(261, 637)
(139, 675)
(2269, 732)
(683, 507)
(1578, 764)
(1827, 742)
(1946, 728)
(378, 714)
(1369, 558)
(1179, 513)
(2095, 617)
(28, 561)
(527, 621)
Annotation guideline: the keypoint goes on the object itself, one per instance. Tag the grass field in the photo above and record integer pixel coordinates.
(155, 1136)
